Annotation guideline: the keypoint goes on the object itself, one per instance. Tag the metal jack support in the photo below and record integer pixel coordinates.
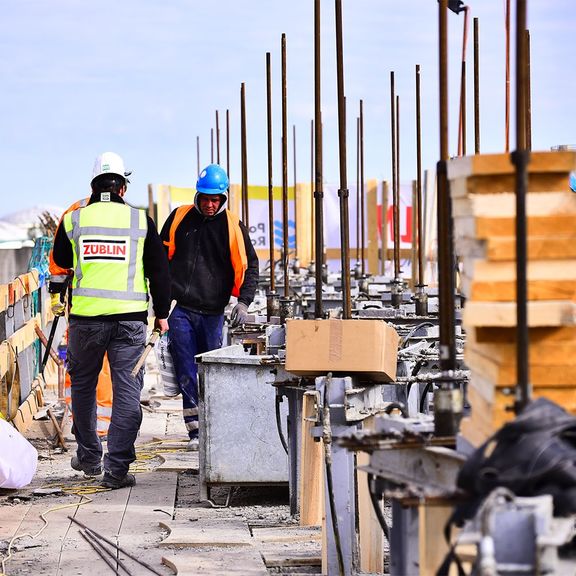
(421, 301)
(396, 292)
(339, 477)
(448, 405)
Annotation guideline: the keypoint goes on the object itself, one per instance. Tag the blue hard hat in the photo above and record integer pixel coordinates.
(573, 181)
(212, 180)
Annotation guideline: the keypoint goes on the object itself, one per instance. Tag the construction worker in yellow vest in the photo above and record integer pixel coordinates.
(115, 253)
(104, 386)
(211, 258)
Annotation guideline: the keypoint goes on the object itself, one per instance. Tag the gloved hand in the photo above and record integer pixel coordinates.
(57, 303)
(239, 315)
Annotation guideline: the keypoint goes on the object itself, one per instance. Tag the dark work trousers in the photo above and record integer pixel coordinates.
(88, 340)
(192, 333)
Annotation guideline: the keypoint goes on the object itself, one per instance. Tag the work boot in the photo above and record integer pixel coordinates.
(88, 470)
(192, 445)
(112, 482)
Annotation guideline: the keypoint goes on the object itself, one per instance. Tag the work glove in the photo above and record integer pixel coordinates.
(239, 315)
(58, 303)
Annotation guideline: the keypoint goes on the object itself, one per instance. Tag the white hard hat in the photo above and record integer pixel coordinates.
(109, 163)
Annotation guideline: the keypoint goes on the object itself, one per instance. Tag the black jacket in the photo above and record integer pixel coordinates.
(201, 270)
(154, 260)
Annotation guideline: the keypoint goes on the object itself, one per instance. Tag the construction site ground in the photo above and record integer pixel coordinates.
(241, 530)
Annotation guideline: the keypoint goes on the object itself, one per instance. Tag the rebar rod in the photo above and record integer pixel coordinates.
(419, 219)
(295, 191)
(476, 88)
(217, 139)
(318, 166)
(285, 243)
(270, 177)
(395, 200)
(244, 154)
(343, 191)
(228, 144)
(446, 272)
(362, 193)
(521, 158)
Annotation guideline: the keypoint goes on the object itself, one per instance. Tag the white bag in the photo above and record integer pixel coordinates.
(166, 366)
(18, 458)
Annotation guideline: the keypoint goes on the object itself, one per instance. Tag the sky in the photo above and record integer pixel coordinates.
(144, 78)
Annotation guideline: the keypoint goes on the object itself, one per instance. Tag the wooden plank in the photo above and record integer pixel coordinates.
(286, 557)
(490, 164)
(370, 535)
(482, 270)
(432, 546)
(505, 290)
(473, 433)
(286, 533)
(504, 205)
(206, 532)
(490, 227)
(26, 335)
(504, 248)
(505, 375)
(540, 314)
(508, 335)
(311, 467)
(232, 562)
(179, 462)
(11, 517)
(506, 183)
(28, 408)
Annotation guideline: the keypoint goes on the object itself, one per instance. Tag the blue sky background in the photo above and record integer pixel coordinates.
(144, 78)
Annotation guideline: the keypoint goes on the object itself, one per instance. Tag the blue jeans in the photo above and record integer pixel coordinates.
(192, 333)
(124, 341)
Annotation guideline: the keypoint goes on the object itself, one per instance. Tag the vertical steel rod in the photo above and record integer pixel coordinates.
(286, 248)
(343, 192)
(295, 190)
(357, 190)
(521, 158)
(462, 115)
(384, 228)
(446, 273)
(362, 198)
(395, 202)
(211, 145)
(318, 166)
(476, 88)
(270, 179)
(312, 242)
(507, 92)
(244, 161)
(397, 215)
(217, 139)
(528, 96)
(228, 143)
(419, 219)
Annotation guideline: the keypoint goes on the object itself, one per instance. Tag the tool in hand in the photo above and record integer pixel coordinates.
(149, 346)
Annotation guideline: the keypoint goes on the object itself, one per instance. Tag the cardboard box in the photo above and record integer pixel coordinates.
(365, 347)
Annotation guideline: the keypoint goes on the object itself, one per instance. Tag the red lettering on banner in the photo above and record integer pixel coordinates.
(405, 225)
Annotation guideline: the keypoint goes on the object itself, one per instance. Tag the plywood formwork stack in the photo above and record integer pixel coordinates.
(484, 207)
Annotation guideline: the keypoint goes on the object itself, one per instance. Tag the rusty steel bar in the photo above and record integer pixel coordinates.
(318, 167)
(357, 190)
(528, 96)
(103, 553)
(114, 545)
(217, 139)
(419, 219)
(285, 243)
(312, 232)
(384, 228)
(211, 145)
(462, 114)
(244, 161)
(521, 158)
(395, 201)
(270, 179)
(476, 88)
(228, 144)
(507, 91)
(295, 187)
(362, 196)
(343, 191)
(446, 272)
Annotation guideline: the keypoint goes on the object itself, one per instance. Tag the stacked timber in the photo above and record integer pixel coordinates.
(484, 208)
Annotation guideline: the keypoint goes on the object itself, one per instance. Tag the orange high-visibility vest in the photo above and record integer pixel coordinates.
(238, 256)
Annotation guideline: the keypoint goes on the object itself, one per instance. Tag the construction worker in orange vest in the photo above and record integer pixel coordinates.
(211, 258)
(104, 387)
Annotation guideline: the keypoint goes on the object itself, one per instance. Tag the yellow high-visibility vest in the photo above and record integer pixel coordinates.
(108, 244)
